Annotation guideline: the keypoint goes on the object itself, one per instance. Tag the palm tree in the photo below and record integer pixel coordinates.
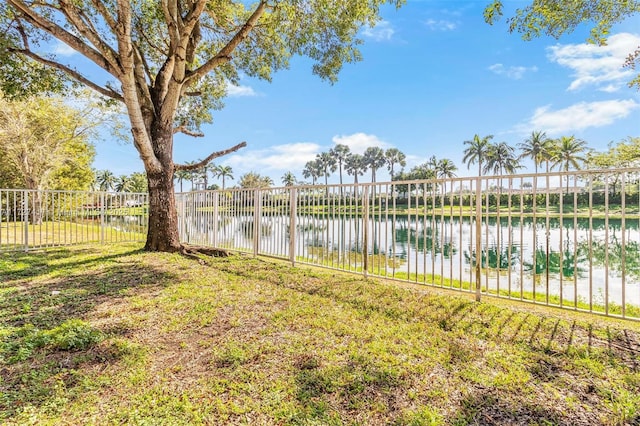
(204, 173)
(432, 164)
(312, 170)
(501, 159)
(355, 166)
(181, 175)
(394, 156)
(288, 179)
(340, 154)
(536, 147)
(445, 169)
(568, 153)
(106, 180)
(327, 164)
(191, 175)
(223, 172)
(374, 159)
(123, 183)
(476, 152)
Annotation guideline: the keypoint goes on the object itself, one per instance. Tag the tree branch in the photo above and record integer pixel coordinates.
(225, 53)
(137, 101)
(71, 72)
(28, 14)
(207, 160)
(192, 18)
(101, 8)
(186, 131)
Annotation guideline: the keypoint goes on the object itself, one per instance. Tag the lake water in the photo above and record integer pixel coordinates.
(597, 260)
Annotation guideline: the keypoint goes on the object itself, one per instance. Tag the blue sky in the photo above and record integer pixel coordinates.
(433, 75)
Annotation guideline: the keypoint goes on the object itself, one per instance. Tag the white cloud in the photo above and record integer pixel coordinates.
(287, 157)
(359, 142)
(515, 73)
(381, 32)
(599, 66)
(62, 49)
(579, 116)
(441, 25)
(237, 91)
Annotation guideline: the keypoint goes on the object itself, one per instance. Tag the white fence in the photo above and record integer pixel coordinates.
(562, 239)
(40, 219)
(570, 240)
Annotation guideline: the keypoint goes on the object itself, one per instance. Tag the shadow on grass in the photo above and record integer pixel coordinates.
(486, 407)
(541, 332)
(21, 265)
(46, 346)
(359, 385)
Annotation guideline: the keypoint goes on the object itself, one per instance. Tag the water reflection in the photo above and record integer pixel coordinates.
(589, 255)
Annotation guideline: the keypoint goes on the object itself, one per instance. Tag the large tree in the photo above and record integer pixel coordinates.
(558, 17)
(172, 61)
(44, 144)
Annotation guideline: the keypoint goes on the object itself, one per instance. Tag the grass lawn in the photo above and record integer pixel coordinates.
(112, 335)
(568, 211)
(50, 233)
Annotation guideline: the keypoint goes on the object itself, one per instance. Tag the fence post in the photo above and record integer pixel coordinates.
(216, 225)
(365, 230)
(478, 237)
(185, 235)
(257, 203)
(102, 212)
(293, 211)
(25, 219)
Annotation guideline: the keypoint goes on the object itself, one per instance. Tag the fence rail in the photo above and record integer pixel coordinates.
(570, 240)
(39, 219)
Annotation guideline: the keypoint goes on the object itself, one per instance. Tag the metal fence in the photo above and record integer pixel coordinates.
(570, 240)
(39, 219)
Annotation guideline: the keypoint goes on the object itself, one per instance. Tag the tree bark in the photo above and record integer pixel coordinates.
(163, 217)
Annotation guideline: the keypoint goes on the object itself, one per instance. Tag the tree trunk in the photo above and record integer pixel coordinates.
(163, 216)
(36, 208)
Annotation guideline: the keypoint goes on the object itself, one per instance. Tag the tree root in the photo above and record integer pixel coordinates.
(193, 251)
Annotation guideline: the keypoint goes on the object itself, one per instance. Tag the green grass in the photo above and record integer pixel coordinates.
(568, 211)
(111, 334)
(61, 233)
(382, 266)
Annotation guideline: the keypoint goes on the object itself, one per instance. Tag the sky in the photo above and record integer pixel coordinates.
(433, 75)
